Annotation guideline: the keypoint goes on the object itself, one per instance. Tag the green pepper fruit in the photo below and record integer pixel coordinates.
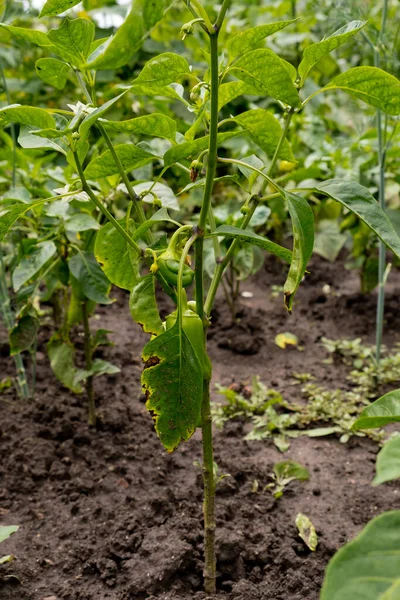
(169, 269)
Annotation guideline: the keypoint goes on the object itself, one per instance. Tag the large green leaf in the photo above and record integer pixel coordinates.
(255, 239)
(367, 568)
(250, 38)
(265, 131)
(73, 40)
(33, 36)
(55, 7)
(52, 71)
(313, 53)
(162, 70)
(157, 217)
(116, 257)
(360, 201)
(372, 85)
(173, 382)
(9, 218)
(268, 76)
(6, 531)
(26, 115)
(92, 281)
(231, 90)
(131, 157)
(303, 242)
(155, 125)
(98, 112)
(382, 412)
(62, 361)
(388, 462)
(143, 305)
(192, 149)
(29, 266)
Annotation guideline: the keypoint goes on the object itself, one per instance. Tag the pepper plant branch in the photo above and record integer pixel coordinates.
(221, 16)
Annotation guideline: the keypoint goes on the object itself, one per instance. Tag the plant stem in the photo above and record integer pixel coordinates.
(210, 566)
(88, 364)
(225, 5)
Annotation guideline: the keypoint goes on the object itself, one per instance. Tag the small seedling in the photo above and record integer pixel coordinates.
(283, 474)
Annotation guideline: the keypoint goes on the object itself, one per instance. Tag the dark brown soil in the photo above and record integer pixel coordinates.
(108, 514)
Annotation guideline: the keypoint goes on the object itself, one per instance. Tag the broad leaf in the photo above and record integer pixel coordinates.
(162, 191)
(382, 412)
(34, 36)
(367, 568)
(155, 125)
(231, 90)
(26, 115)
(62, 362)
(303, 242)
(173, 383)
(328, 239)
(159, 216)
(73, 40)
(267, 75)
(8, 219)
(265, 131)
(372, 85)
(313, 53)
(96, 114)
(143, 305)
(162, 70)
(30, 266)
(253, 238)
(23, 334)
(307, 531)
(6, 531)
(55, 7)
(360, 201)
(250, 38)
(52, 71)
(28, 139)
(388, 462)
(81, 222)
(192, 149)
(115, 257)
(92, 281)
(131, 157)
(99, 367)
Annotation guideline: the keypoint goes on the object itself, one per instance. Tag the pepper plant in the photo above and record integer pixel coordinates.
(177, 370)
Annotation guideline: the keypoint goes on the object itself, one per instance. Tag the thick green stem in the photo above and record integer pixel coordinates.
(87, 340)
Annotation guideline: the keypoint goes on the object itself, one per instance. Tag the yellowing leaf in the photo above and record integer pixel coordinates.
(286, 339)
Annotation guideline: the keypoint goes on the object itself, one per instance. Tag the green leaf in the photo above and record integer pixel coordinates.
(268, 76)
(192, 149)
(255, 239)
(328, 239)
(372, 85)
(23, 334)
(73, 40)
(115, 256)
(131, 157)
(313, 53)
(231, 90)
(55, 7)
(166, 91)
(159, 216)
(265, 131)
(303, 242)
(250, 38)
(27, 138)
(143, 305)
(367, 568)
(360, 201)
(92, 281)
(173, 382)
(81, 222)
(34, 36)
(62, 362)
(382, 412)
(307, 531)
(290, 470)
(30, 265)
(388, 462)
(155, 125)
(26, 115)
(162, 70)
(99, 367)
(162, 191)
(52, 71)
(9, 218)
(6, 531)
(91, 118)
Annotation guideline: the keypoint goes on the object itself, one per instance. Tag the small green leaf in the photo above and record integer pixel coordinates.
(73, 39)
(250, 38)
(33, 36)
(30, 265)
(52, 71)
(116, 257)
(155, 125)
(6, 531)
(372, 85)
(92, 281)
(62, 362)
(99, 367)
(55, 7)
(265, 131)
(12, 215)
(367, 568)
(131, 157)
(143, 305)
(255, 239)
(388, 462)
(173, 382)
(382, 412)
(23, 334)
(192, 149)
(162, 70)
(26, 115)
(307, 531)
(91, 118)
(157, 217)
(265, 72)
(313, 53)
(289, 470)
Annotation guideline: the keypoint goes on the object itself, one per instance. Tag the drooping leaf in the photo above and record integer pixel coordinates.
(157, 217)
(250, 38)
(62, 361)
(367, 568)
(255, 239)
(52, 71)
(26, 115)
(73, 39)
(307, 531)
(23, 334)
(313, 53)
(91, 118)
(116, 257)
(388, 462)
(143, 305)
(155, 125)
(265, 131)
(30, 265)
(303, 242)
(268, 76)
(6, 531)
(372, 85)
(192, 149)
(92, 281)
(162, 70)
(34, 36)
(382, 412)
(55, 7)
(173, 382)
(360, 201)
(131, 157)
